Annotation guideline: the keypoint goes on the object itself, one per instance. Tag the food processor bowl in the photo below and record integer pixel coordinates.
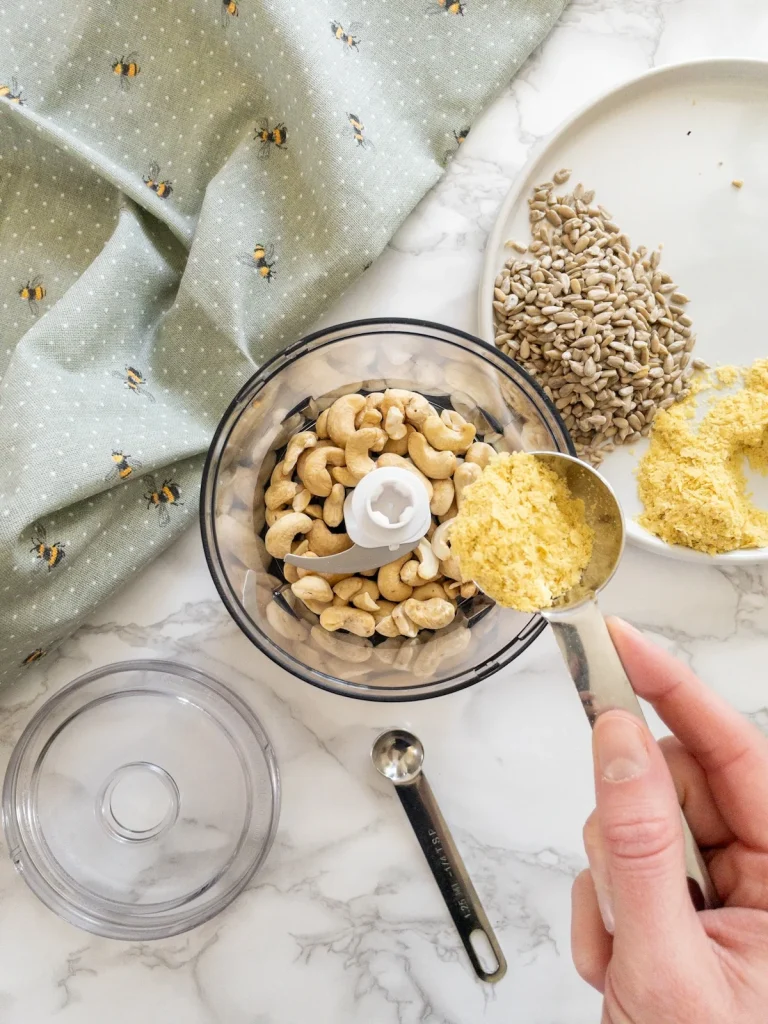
(454, 371)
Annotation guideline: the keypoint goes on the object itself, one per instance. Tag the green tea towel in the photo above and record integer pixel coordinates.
(184, 188)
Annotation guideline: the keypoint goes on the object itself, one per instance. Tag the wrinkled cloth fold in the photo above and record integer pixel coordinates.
(184, 189)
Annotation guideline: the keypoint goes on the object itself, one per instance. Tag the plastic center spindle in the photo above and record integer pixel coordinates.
(389, 506)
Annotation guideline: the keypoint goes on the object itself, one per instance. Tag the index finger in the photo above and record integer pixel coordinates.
(732, 751)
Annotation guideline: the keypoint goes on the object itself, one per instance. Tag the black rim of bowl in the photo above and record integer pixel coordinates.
(382, 694)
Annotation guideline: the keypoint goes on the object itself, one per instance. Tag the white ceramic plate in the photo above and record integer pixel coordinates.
(661, 152)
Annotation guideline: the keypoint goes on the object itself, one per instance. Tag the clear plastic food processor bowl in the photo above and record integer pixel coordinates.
(453, 370)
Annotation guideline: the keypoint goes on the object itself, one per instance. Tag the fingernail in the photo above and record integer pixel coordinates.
(605, 905)
(620, 748)
(622, 626)
(599, 871)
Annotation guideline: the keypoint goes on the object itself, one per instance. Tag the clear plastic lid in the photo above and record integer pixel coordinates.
(141, 799)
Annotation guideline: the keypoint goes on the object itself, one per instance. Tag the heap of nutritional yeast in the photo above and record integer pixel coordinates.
(597, 323)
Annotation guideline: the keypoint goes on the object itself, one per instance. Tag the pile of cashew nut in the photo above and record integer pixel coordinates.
(305, 508)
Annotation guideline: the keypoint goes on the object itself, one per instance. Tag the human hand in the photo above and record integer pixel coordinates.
(636, 936)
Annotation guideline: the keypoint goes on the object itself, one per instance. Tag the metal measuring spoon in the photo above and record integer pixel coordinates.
(399, 756)
(583, 636)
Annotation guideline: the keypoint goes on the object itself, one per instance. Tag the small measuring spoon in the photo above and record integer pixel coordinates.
(399, 756)
(583, 636)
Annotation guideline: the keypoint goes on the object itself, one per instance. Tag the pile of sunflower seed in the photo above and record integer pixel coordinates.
(594, 321)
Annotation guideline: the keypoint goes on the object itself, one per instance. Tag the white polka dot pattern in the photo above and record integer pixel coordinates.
(184, 188)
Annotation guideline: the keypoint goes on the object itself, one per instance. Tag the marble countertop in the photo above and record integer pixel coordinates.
(344, 923)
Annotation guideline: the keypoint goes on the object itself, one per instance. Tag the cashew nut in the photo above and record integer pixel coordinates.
(347, 588)
(302, 500)
(348, 648)
(429, 590)
(241, 541)
(432, 614)
(279, 537)
(430, 567)
(395, 398)
(418, 410)
(341, 417)
(440, 544)
(390, 585)
(314, 589)
(303, 459)
(410, 573)
(359, 463)
(403, 622)
(281, 620)
(321, 426)
(333, 509)
(480, 453)
(394, 424)
(401, 463)
(291, 573)
(281, 494)
(437, 465)
(343, 476)
(468, 590)
(386, 625)
(273, 514)
(314, 474)
(370, 415)
(354, 620)
(450, 567)
(452, 512)
(399, 446)
(442, 496)
(298, 443)
(465, 475)
(383, 608)
(446, 437)
(323, 542)
(367, 597)
(315, 511)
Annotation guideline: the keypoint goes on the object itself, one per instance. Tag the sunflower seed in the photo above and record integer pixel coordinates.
(598, 323)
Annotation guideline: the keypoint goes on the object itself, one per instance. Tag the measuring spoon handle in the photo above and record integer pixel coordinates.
(450, 873)
(602, 684)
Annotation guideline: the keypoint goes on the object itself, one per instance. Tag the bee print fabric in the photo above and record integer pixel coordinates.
(184, 187)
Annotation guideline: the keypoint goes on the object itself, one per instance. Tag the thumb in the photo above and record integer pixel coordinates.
(642, 839)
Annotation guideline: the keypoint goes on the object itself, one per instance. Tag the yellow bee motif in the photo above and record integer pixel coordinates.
(460, 136)
(161, 498)
(135, 381)
(229, 9)
(358, 128)
(12, 93)
(50, 554)
(33, 292)
(349, 37)
(152, 180)
(268, 137)
(122, 468)
(446, 7)
(126, 68)
(261, 259)
(36, 655)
